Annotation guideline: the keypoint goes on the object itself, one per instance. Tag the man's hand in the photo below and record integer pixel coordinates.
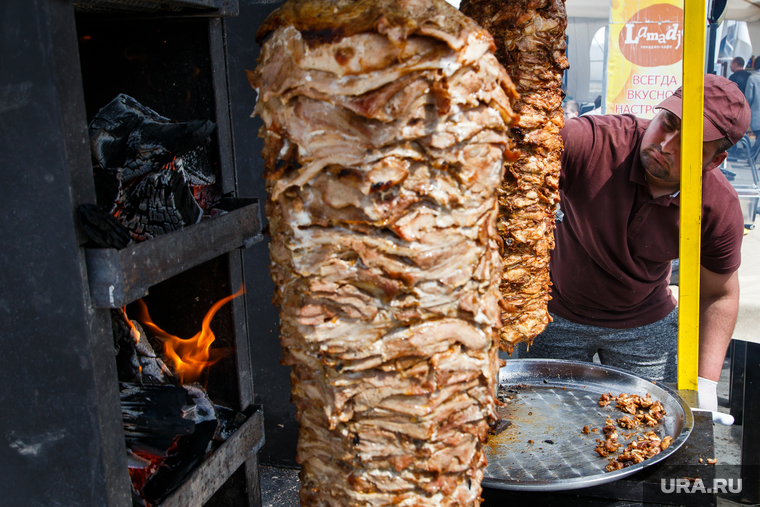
(707, 391)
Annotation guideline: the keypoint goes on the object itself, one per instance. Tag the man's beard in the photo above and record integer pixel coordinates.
(659, 169)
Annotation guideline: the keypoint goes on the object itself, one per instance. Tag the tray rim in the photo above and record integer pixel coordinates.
(607, 477)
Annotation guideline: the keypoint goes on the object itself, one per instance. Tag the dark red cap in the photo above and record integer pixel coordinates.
(726, 112)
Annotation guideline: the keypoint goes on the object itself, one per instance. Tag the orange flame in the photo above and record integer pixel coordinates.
(190, 357)
(135, 332)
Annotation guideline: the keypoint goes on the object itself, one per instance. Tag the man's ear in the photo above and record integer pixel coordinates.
(716, 161)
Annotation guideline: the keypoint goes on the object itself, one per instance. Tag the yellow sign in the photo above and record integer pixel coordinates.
(645, 55)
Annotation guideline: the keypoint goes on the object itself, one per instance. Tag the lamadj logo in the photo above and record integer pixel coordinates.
(653, 36)
(718, 485)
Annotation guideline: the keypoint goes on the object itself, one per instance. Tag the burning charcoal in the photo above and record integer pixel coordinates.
(145, 165)
(135, 461)
(190, 449)
(171, 428)
(102, 228)
(189, 357)
(207, 197)
(136, 361)
(160, 203)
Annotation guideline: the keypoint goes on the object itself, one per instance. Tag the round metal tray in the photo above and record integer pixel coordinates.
(552, 401)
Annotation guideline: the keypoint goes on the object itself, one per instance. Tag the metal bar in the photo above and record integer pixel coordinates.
(214, 471)
(750, 468)
(691, 193)
(253, 480)
(218, 58)
(118, 277)
(240, 322)
(214, 8)
(66, 71)
(736, 383)
(61, 420)
(711, 48)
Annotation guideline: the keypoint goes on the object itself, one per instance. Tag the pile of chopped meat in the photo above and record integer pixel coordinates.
(530, 41)
(645, 412)
(385, 135)
(645, 447)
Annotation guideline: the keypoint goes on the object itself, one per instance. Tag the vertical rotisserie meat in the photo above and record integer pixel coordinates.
(384, 141)
(530, 42)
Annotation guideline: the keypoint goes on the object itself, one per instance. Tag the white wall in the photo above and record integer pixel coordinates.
(754, 35)
(580, 32)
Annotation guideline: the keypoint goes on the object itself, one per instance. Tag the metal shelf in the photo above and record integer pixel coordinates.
(118, 277)
(217, 468)
(213, 8)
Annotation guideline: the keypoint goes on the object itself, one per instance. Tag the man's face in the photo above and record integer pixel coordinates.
(661, 150)
(734, 67)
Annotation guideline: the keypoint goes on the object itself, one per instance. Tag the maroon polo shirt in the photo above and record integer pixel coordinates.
(611, 263)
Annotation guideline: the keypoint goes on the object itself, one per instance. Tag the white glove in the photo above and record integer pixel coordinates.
(707, 392)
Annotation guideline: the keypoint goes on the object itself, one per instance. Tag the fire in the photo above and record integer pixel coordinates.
(189, 356)
(135, 332)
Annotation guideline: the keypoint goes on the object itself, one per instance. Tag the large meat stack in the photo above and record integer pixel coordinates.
(384, 141)
(530, 42)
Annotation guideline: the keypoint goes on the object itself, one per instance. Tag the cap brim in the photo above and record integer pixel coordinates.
(674, 104)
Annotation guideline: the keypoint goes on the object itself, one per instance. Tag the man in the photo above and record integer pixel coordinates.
(752, 92)
(571, 108)
(738, 74)
(610, 268)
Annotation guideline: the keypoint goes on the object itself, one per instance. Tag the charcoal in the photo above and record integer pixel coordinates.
(174, 470)
(110, 128)
(160, 203)
(196, 166)
(126, 134)
(108, 189)
(152, 416)
(151, 145)
(102, 228)
(136, 361)
(202, 409)
(135, 461)
(229, 421)
(144, 166)
(136, 500)
(207, 197)
(190, 449)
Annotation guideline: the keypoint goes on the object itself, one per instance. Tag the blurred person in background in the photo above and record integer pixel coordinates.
(738, 74)
(572, 109)
(752, 92)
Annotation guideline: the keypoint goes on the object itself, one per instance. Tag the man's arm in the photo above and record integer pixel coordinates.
(718, 308)
(749, 90)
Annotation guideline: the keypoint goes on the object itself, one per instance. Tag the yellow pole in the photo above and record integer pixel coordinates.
(691, 193)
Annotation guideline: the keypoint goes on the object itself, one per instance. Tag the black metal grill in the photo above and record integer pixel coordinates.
(176, 7)
(60, 403)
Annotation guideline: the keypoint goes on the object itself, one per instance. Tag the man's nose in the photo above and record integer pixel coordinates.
(671, 142)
